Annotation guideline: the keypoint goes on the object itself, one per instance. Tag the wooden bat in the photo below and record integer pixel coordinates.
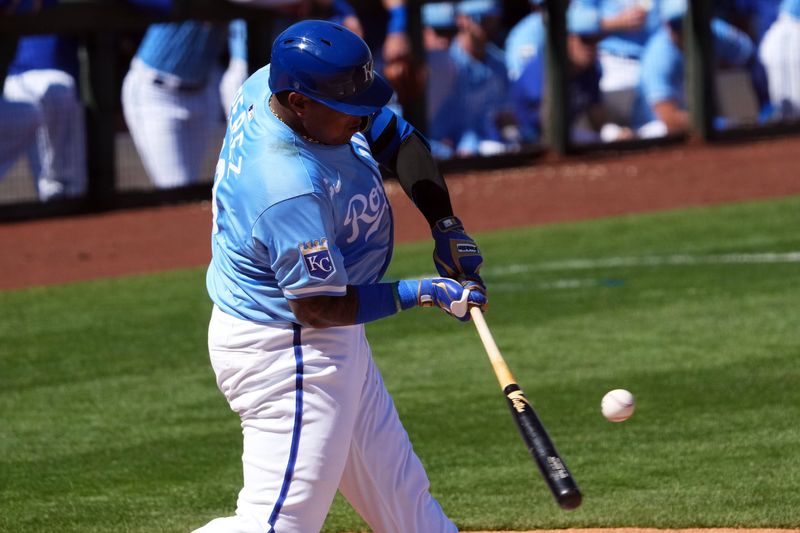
(554, 470)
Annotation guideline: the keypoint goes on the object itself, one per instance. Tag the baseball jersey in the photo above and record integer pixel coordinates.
(663, 67)
(525, 40)
(482, 88)
(237, 39)
(630, 43)
(527, 92)
(187, 50)
(292, 218)
(791, 7)
(759, 14)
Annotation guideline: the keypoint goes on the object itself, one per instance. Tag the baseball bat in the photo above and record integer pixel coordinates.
(553, 468)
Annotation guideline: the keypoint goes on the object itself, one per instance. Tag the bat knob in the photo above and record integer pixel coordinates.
(569, 498)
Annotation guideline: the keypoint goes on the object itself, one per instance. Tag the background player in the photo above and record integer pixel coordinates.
(44, 73)
(661, 107)
(780, 55)
(627, 26)
(302, 235)
(588, 119)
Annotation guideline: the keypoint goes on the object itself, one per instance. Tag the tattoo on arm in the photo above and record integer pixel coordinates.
(326, 311)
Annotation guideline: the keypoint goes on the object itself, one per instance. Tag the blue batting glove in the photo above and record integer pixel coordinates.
(455, 254)
(448, 294)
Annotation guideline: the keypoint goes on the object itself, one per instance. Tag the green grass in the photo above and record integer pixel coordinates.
(111, 420)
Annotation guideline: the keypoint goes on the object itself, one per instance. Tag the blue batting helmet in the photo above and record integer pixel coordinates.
(330, 64)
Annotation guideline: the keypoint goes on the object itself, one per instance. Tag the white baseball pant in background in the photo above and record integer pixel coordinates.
(59, 161)
(171, 125)
(316, 417)
(21, 120)
(780, 55)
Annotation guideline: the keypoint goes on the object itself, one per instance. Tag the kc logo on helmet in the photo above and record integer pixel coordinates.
(318, 260)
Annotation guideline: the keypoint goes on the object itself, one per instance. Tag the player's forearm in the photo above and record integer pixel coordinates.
(674, 118)
(326, 311)
(421, 180)
(374, 301)
(361, 304)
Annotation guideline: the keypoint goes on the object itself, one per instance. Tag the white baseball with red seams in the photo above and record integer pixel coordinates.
(618, 405)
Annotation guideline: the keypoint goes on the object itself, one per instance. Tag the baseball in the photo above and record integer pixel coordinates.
(618, 405)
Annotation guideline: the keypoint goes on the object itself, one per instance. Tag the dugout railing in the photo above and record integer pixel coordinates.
(99, 23)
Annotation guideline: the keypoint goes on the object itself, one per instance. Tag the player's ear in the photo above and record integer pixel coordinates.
(299, 103)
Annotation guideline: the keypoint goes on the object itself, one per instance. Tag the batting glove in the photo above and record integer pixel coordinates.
(448, 294)
(455, 254)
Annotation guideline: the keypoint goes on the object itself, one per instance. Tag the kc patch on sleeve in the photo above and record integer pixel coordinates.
(317, 258)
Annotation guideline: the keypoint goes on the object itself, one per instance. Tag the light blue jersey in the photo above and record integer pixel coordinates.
(629, 43)
(292, 218)
(791, 7)
(524, 42)
(662, 77)
(482, 93)
(187, 50)
(237, 39)
(663, 66)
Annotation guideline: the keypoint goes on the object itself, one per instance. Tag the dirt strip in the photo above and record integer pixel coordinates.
(151, 240)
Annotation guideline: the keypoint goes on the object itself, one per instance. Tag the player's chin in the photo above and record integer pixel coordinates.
(345, 136)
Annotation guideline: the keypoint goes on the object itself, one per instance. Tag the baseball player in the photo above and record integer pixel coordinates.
(660, 107)
(627, 24)
(588, 119)
(441, 106)
(44, 73)
(780, 55)
(302, 235)
(21, 120)
(170, 98)
(525, 40)
(482, 80)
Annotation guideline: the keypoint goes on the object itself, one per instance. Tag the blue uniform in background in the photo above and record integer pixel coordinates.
(620, 51)
(44, 73)
(188, 51)
(525, 41)
(780, 54)
(482, 90)
(526, 95)
(171, 98)
(663, 67)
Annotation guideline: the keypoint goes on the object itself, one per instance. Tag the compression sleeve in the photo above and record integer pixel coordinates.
(401, 149)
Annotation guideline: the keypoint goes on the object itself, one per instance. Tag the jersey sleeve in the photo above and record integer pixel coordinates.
(299, 236)
(385, 135)
(662, 71)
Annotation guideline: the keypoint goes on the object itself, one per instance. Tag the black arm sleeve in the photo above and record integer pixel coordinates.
(421, 180)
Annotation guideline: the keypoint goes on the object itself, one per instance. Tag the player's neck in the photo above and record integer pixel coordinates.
(286, 116)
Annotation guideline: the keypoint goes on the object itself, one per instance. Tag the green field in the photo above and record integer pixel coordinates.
(111, 420)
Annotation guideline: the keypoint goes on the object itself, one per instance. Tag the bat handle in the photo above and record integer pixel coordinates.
(501, 370)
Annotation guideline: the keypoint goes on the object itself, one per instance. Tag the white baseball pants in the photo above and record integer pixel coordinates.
(316, 417)
(21, 121)
(59, 161)
(170, 126)
(619, 81)
(780, 54)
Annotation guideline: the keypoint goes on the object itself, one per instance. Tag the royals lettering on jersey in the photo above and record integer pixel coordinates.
(292, 219)
(364, 212)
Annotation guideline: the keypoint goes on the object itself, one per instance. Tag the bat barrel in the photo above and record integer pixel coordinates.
(553, 469)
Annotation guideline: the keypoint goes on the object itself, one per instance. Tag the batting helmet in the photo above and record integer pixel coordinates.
(329, 64)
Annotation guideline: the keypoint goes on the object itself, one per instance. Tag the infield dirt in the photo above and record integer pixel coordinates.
(150, 240)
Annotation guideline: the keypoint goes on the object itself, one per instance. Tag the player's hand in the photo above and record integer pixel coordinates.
(449, 295)
(455, 254)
